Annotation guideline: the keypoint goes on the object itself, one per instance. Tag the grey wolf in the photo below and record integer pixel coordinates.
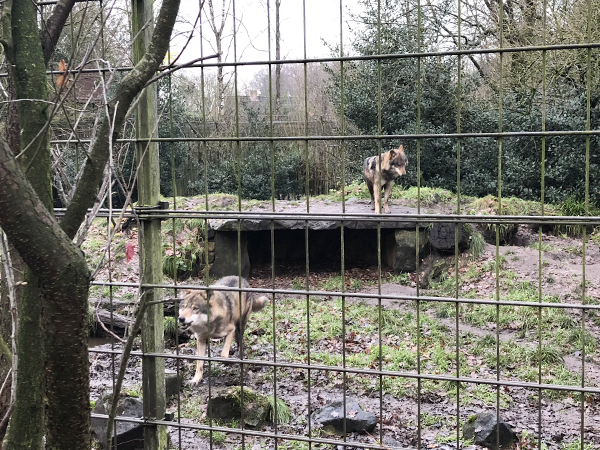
(393, 165)
(213, 313)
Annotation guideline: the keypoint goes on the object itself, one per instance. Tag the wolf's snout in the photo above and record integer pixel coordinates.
(181, 319)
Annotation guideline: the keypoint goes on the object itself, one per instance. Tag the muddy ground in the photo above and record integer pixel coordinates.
(561, 419)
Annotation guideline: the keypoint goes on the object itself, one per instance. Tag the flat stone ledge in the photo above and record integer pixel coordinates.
(317, 207)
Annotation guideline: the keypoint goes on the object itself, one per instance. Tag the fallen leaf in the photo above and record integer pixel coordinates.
(61, 78)
(129, 250)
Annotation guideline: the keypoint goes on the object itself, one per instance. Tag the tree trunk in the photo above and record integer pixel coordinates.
(64, 280)
(29, 75)
(218, 32)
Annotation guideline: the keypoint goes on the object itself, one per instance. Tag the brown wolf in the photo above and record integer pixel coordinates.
(393, 165)
(212, 313)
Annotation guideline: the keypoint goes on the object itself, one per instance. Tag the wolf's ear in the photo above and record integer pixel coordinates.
(392, 153)
(401, 149)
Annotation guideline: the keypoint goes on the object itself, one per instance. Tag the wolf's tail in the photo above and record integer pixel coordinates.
(259, 302)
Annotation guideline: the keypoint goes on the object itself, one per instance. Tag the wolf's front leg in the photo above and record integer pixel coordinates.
(201, 351)
(377, 201)
(386, 199)
(228, 342)
(370, 186)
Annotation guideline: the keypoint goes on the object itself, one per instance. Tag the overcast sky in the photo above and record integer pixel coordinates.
(322, 25)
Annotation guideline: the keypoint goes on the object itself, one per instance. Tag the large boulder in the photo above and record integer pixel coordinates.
(484, 429)
(433, 269)
(443, 237)
(227, 405)
(226, 254)
(331, 418)
(390, 443)
(129, 435)
(400, 249)
(173, 383)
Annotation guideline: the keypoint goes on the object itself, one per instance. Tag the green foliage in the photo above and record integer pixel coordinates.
(173, 156)
(382, 96)
(576, 445)
(543, 247)
(216, 437)
(134, 391)
(572, 206)
(170, 327)
(477, 242)
(426, 195)
(284, 414)
(595, 236)
(251, 168)
(184, 261)
(548, 354)
(529, 442)
(401, 278)
(187, 257)
(579, 337)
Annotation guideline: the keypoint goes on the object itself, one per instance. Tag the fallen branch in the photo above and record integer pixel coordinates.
(118, 321)
(122, 369)
(104, 326)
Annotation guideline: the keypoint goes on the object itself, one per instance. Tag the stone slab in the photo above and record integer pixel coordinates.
(316, 207)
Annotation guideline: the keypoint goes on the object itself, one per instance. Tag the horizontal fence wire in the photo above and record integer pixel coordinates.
(480, 51)
(351, 294)
(352, 370)
(348, 218)
(353, 138)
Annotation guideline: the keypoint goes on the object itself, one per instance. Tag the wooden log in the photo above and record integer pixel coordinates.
(105, 303)
(119, 322)
(170, 306)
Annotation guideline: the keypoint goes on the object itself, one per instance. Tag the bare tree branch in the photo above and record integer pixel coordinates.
(127, 90)
(52, 28)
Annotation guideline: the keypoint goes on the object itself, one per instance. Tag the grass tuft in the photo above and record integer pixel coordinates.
(284, 413)
(170, 327)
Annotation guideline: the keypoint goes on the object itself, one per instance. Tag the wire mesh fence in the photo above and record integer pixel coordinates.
(478, 293)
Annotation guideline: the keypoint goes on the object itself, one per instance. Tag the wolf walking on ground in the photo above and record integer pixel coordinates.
(214, 313)
(393, 165)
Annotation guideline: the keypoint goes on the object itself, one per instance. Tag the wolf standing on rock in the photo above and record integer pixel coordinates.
(393, 165)
(213, 313)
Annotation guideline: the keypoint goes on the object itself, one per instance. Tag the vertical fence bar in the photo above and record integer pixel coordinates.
(458, 230)
(150, 244)
(417, 243)
(542, 200)
(498, 261)
(588, 94)
(379, 211)
(342, 256)
(238, 147)
(205, 154)
(306, 225)
(102, 18)
(272, 223)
